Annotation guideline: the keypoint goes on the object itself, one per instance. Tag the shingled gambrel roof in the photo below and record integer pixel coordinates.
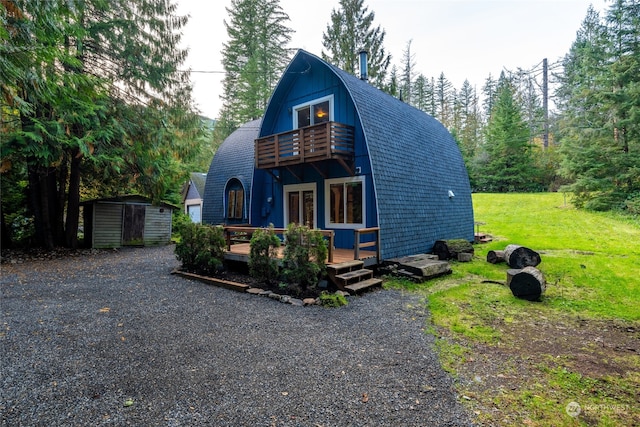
(233, 159)
(415, 162)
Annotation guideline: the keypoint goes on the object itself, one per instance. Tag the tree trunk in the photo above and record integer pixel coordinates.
(495, 257)
(4, 231)
(60, 189)
(528, 283)
(449, 249)
(520, 257)
(73, 202)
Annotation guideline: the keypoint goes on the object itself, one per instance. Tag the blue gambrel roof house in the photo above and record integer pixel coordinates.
(335, 153)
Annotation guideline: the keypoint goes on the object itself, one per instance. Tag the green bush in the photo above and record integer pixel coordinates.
(332, 300)
(263, 263)
(304, 256)
(201, 248)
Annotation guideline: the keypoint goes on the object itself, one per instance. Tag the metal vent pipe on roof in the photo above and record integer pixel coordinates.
(363, 65)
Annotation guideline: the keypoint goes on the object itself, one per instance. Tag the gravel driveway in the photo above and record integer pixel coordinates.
(113, 339)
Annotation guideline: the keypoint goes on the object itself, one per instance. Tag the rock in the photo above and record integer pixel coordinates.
(465, 257)
(297, 302)
(285, 298)
(343, 293)
(273, 295)
(255, 291)
(309, 301)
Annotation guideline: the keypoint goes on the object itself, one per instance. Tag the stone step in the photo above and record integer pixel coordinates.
(363, 285)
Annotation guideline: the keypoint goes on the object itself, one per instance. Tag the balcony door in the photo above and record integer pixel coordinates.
(300, 204)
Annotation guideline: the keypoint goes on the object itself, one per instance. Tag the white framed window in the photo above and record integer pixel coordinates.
(313, 113)
(300, 203)
(345, 202)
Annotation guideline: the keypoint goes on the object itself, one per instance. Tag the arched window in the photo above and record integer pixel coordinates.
(235, 200)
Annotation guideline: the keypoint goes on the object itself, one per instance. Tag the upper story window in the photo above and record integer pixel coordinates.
(313, 113)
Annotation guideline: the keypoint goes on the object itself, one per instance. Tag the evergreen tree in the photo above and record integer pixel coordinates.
(392, 86)
(489, 93)
(508, 164)
(600, 103)
(444, 101)
(408, 71)
(253, 59)
(351, 30)
(91, 62)
(421, 93)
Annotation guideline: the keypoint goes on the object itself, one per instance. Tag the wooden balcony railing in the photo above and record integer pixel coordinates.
(325, 141)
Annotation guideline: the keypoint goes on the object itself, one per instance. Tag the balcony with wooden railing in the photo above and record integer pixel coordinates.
(324, 141)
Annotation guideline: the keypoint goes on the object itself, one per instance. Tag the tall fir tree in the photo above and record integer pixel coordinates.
(408, 74)
(253, 59)
(95, 61)
(599, 100)
(508, 165)
(351, 30)
(444, 100)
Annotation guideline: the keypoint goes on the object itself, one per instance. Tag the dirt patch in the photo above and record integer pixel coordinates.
(528, 349)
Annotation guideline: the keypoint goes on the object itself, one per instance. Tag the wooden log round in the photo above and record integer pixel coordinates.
(519, 256)
(510, 273)
(528, 283)
(495, 257)
(449, 249)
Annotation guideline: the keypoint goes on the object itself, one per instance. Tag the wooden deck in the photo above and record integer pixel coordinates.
(240, 252)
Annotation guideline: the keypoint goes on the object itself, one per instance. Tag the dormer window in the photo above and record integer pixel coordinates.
(314, 112)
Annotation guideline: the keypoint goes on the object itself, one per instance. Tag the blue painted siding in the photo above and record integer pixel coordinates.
(409, 160)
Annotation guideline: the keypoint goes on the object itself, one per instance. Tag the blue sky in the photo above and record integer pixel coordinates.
(464, 39)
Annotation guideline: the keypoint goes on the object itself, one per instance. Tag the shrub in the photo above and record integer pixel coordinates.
(332, 300)
(304, 255)
(201, 248)
(263, 263)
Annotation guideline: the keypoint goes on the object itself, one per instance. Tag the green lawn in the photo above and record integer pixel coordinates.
(538, 356)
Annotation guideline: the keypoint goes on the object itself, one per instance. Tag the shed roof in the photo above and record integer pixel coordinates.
(128, 199)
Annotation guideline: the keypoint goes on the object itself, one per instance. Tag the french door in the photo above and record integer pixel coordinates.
(300, 204)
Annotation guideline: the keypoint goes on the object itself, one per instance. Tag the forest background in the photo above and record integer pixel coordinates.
(95, 102)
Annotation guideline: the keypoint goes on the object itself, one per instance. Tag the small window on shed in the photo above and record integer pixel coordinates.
(235, 200)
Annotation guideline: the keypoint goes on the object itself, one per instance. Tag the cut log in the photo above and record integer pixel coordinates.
(528, 284)
(494, 257)
(449, 249)
(519, 256)
(510, 273)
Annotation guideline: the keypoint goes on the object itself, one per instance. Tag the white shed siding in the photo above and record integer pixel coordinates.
(157, 226)
(107, 220)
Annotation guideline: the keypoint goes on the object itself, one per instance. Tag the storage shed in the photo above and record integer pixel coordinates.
(126, 221)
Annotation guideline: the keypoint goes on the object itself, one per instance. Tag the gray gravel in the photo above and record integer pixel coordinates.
(82, 338)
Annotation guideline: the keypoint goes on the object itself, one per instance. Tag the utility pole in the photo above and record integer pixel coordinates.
(545, 103)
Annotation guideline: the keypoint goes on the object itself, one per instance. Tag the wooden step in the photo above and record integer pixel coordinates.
(354, 276)
(344, 267)
(363, 285)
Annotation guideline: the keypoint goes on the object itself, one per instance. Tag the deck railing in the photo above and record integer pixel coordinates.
(237, 234)
(325, 141)
(359, 244)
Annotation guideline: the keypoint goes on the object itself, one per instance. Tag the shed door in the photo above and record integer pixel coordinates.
(133, 225)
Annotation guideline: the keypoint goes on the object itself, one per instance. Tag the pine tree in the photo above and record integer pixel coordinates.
(253, 59)
(351, 30)
(408, 70)
(508, 164)
(93, 61)
(600, 103)
(444, 101)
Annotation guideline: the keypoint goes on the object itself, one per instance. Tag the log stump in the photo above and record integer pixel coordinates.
(519, 256)
(528, 283)
(449, 249)
(495, 257)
